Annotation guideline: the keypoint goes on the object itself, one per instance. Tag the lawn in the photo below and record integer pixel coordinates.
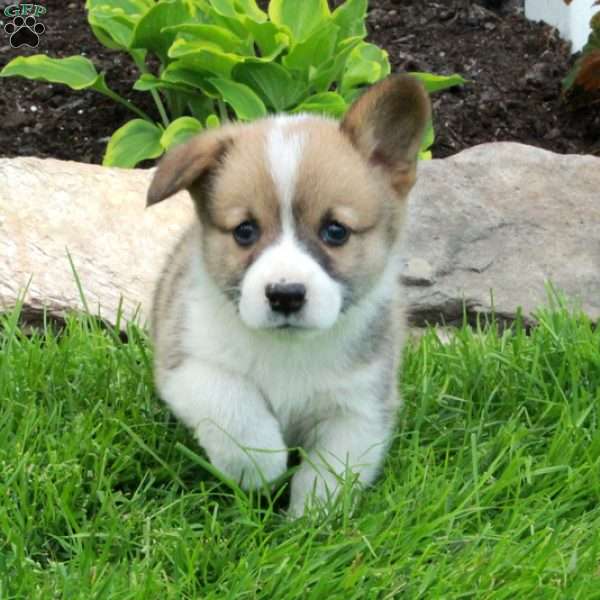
(491, 488)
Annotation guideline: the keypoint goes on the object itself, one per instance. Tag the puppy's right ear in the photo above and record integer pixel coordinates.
(187, 165)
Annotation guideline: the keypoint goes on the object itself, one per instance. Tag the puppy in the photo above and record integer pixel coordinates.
(277, 320)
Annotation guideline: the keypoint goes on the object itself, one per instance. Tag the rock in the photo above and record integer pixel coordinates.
(504, 217)
(50, 209)
(417, 271)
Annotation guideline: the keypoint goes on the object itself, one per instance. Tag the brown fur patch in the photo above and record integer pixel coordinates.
(167, 319)
(242, 191)
(386, 124)
(336, 183)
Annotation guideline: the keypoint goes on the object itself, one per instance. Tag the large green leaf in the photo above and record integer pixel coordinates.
(301, 17)
(234, 24)
(129, 7)
(136, 141)
(244, 102)
(270, 38)
(204, 56)
(435, 83)
(327, 103)
(219, 37)
(350, 18)
(331, 70)
(314, 50)
(239, 8)
(113, 29)
(271, 82)
(179, 131)
(77, 72)
(147, 82)
(366, 65)
(148, 32)
(113, 22)
(185, 74)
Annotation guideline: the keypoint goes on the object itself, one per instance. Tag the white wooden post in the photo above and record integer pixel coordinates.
(573, 22)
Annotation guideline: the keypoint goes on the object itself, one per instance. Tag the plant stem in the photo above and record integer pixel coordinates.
(141, 65)
(161, 107)
(132, 107)
(222, 111)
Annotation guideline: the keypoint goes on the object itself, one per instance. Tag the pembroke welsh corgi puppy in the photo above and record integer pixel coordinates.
(277, 320)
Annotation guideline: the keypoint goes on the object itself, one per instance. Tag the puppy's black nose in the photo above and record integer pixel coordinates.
(286, 298)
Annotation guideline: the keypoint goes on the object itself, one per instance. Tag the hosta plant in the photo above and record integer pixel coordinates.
(205, 61)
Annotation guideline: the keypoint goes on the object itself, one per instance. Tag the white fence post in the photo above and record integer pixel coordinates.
(573, 22)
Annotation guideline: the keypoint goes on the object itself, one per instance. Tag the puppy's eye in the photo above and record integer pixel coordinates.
(246, 233)
(334, 233)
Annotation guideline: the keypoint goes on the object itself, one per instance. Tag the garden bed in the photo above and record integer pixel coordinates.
(514, 69)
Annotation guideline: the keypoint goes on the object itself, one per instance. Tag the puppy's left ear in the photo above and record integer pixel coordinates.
(386, 125)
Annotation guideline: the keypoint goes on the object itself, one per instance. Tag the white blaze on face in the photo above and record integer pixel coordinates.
(286, 260)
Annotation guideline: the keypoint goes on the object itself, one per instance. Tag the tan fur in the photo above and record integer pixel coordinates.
(387, 125)
(243, 192)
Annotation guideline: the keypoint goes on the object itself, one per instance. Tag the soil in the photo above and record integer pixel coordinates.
(514, 68)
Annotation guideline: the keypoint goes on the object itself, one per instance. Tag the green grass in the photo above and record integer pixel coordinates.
(491, 488)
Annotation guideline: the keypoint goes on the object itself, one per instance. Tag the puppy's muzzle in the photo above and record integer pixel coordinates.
(286, 298)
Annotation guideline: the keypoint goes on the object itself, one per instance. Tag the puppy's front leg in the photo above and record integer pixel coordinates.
(344, 442)
(230, 420)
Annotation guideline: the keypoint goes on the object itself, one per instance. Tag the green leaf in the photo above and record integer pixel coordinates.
(331, 71)
(326, 103)
(112, 31)
(179, 131)
(218, 37)
(313, 51)
(244, 102)
(236, 8)
(113, 22)
(75, 71)
(350, 18)
(270, 38)
(212, 122)
(204, 57)
(147, 82)
(435, 83)
(366, 65)
(148, 32)
(234, 24)
(185, 74)
(271, 82)
(128, 7)
(301, 17)
(137, 140)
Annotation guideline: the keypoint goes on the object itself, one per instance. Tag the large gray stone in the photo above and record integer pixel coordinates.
(503, 217)
(495, 223)
(50, 209)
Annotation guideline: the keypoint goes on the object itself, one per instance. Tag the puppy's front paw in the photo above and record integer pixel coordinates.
(252, 462)
(311, 488)
(252, 468)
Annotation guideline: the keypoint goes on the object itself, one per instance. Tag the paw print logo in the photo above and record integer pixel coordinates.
(24, 31)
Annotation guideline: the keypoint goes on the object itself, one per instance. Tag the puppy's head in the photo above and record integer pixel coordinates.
(299, 214)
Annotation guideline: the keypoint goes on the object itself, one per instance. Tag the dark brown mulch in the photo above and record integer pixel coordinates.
(514, 68)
